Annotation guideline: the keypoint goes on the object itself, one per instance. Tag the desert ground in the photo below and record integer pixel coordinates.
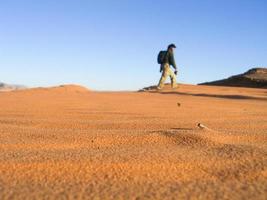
(72, 143)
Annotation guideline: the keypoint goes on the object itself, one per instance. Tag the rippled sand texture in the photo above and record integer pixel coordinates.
(70, 143)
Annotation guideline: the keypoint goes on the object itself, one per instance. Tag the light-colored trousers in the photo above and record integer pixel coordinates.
(166, 71)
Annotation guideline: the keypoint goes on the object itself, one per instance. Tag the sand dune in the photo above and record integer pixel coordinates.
(62, 89)
(69, 143)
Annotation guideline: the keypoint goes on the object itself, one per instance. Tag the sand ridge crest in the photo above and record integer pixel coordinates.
(61, 89)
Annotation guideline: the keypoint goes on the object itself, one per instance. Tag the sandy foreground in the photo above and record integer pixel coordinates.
(70, 143)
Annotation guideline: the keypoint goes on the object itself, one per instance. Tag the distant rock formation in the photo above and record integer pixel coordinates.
(255, 78)
(7, 87)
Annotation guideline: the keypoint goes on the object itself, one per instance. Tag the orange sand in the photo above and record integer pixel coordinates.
(69, 143)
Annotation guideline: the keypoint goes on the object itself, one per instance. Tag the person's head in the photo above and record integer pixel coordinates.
(171, 47)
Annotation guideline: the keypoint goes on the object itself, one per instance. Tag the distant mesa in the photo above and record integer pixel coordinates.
(8, 87)
(255, 78)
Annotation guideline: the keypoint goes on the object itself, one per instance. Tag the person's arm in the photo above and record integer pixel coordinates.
(172, 62)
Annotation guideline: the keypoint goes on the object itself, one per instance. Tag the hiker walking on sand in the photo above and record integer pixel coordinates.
(165, 59)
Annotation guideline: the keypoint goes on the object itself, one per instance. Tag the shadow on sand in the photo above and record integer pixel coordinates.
(239, 97)
(172, 129)
(182, 129)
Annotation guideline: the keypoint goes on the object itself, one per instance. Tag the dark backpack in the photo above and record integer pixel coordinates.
(161, 56)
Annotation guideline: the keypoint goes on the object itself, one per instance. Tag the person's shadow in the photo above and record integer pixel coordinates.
(182, 129)
(212, 95)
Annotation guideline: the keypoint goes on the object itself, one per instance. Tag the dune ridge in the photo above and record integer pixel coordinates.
(61, 89)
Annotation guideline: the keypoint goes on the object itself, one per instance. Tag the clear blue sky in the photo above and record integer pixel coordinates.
(113, 44)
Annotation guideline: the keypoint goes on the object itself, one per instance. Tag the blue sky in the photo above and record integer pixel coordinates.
(113, 44)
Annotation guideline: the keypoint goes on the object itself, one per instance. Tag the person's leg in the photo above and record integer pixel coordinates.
(164, 76)
(173, 79)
